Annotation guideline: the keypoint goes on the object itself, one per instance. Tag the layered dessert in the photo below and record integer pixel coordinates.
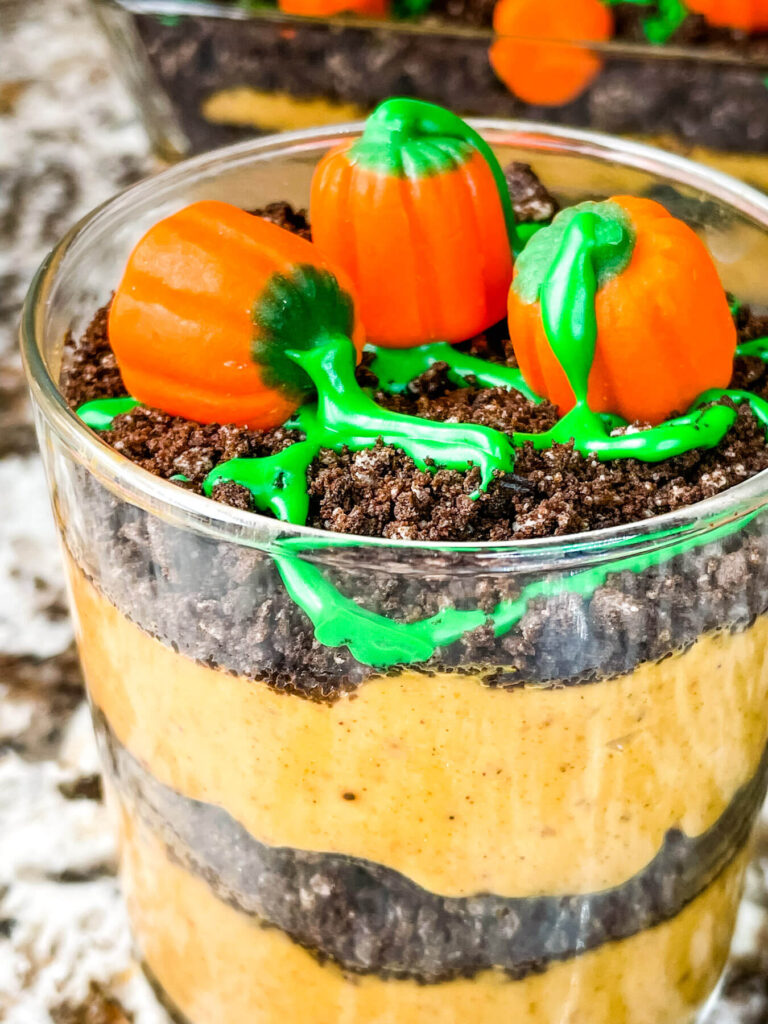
(393, 747)
(689, 72)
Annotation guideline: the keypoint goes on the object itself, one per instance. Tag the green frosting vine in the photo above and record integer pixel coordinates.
(396, 368)
(591, 434)
(758, 405)
(99, 414)
(381, 642)
(346, 417)
(371, 638)
(756, 349)
(278, 483)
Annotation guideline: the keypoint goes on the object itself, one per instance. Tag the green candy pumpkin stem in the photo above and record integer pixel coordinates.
(398, 120)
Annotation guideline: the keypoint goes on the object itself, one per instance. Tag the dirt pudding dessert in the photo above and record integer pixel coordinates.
(428, 660)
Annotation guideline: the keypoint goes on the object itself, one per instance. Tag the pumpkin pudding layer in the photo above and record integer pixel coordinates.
(374, 782)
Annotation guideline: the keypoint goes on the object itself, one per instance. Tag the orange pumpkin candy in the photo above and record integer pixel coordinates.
(414, 213)
(532, 56)
(665, 332)
(186, 321)
(327, 8)
(747, 15)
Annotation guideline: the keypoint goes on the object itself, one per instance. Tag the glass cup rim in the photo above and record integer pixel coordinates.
(223, 522)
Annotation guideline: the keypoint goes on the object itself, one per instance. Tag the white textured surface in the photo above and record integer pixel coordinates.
(67, 934)
(30, 567)
(68, 138)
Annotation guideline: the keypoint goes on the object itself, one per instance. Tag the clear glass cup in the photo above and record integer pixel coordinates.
(543, 821)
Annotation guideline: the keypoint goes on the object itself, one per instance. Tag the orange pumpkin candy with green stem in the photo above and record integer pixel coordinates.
(210, 299)
(418, 214)
(532, 55)
(747, 15)
(665, 332)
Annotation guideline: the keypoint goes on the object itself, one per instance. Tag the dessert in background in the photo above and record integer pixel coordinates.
(688, 74)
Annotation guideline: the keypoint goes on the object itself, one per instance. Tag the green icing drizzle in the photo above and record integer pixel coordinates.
(396, 368)
(381, 642)
(371, 638)
(757, 349)
(100, 413)
(346, 417)
(413, 139)
(278, 483)
(528, 229)
(666, 19)
(591, 434)
(758, 405)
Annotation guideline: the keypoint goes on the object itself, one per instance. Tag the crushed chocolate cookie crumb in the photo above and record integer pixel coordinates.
(285, 216)
(170, 445)
(90, 369)
(531, 200)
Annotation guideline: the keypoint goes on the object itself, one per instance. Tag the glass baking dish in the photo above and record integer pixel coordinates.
(206, 74)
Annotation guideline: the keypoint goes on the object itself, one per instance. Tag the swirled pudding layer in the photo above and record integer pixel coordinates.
(460, 787)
